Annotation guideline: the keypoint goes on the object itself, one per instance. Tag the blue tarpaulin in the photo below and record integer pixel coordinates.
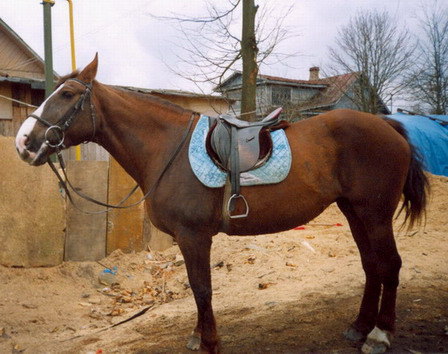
(430, 137)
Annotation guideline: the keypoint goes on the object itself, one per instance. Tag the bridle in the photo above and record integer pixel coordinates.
(63, 124)
(67, 119)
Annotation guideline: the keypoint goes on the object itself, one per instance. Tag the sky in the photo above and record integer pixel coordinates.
(137, 49)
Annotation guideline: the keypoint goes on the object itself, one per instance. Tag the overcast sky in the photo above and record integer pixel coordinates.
(134, 47)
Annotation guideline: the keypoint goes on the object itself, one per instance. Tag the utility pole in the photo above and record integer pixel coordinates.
(72, 50)
(49, 77)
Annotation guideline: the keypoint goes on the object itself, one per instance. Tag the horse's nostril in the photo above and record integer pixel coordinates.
(26, 141)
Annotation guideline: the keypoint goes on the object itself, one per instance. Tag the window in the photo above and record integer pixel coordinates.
(281, 95)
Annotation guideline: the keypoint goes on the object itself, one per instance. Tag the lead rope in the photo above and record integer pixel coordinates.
(66, 183)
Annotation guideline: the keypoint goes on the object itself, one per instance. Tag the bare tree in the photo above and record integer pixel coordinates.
(372, 45)
(429, 80)
(216, 45)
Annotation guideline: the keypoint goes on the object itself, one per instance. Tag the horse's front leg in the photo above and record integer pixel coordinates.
(196, 251)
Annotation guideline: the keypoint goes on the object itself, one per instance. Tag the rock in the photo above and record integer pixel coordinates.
(250, 260)
(328, 269)
(166, 265)
(262, 286)
(252, 246)
(29, 306)
(179, 260)
(218, 265)
(95, 301)
(149, 257)
(3, 333)
(116, 312)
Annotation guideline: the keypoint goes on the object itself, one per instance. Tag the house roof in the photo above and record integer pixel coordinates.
(265, 79)
(336, 88)
(19, 60)
(179, 93)
(309, 83)
(35, 83)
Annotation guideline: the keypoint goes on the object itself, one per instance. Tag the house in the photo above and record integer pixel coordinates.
(22, 80)
(299, 98)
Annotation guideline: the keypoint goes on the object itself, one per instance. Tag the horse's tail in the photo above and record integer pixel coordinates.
(416, 187)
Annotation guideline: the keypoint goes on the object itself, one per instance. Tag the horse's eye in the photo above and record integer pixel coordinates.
(67, 94)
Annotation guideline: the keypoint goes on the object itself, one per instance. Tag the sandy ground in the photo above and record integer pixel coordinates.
(289, 292)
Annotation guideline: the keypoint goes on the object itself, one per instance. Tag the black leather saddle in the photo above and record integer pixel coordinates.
(239, 146)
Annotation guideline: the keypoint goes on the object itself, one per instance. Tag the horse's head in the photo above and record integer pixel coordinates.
(64, 119)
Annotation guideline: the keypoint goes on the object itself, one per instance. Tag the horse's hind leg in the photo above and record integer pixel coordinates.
(196, 251)
(368, 312)
(373, 233)
(389, 263)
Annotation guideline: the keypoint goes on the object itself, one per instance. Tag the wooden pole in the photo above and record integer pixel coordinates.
(249, 51)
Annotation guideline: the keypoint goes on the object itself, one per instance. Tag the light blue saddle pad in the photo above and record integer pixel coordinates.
(273, 171)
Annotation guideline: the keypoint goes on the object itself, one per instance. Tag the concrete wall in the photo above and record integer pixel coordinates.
(32, 212)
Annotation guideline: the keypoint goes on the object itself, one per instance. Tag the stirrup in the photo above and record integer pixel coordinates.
(238, 216)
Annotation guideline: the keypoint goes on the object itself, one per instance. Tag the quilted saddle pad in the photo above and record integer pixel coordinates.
(272, 171)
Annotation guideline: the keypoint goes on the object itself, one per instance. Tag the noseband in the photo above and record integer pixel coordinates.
(61, 126)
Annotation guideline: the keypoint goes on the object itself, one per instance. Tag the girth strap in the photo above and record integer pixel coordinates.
(238, 146)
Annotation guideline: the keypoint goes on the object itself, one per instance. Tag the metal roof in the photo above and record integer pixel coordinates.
(35, 84)
(179, 93)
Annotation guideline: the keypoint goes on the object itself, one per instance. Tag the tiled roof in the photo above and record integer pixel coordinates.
(337, 86)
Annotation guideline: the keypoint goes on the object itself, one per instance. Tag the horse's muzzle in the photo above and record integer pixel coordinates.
(33, 158)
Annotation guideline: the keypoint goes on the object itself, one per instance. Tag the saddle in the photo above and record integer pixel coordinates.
(238, 146)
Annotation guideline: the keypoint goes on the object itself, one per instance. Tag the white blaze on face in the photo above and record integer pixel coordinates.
(28, 125)
(25, 129)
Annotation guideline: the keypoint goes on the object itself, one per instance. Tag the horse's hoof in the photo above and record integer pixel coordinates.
(353, 335)
(194, 342)
(378, 341)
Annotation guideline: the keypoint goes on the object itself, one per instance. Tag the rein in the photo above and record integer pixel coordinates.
(64, 123)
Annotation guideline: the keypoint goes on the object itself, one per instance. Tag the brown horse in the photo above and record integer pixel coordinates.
(362, 162)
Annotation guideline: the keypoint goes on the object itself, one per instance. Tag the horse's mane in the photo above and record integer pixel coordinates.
(64, 78)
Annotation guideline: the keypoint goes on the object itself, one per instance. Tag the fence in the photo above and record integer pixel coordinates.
(38, 227)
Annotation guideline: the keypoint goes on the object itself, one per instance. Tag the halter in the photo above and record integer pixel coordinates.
(67, 119)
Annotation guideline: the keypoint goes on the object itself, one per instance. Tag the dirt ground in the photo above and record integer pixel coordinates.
(288, 292)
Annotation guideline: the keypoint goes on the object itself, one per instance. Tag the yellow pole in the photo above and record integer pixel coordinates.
(72, 34)
(72, 46)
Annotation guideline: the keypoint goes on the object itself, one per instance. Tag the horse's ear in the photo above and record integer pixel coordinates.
(89, 72)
